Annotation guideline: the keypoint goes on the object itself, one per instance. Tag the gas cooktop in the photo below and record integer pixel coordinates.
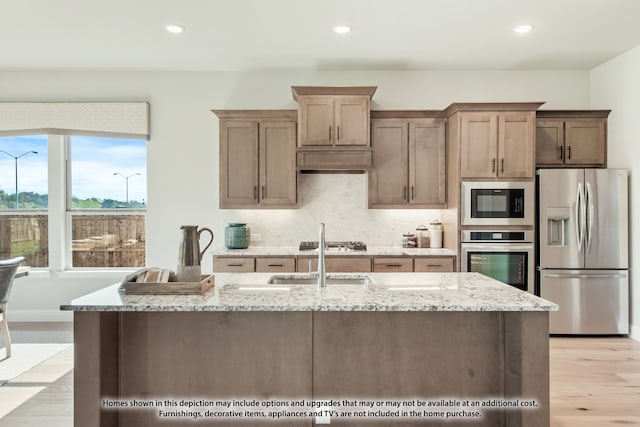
(341, 246)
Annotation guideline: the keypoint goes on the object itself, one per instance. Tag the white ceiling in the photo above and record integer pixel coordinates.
(285, 34)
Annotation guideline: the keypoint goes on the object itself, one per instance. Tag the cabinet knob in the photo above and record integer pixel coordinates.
(338, 133)
(493, 164)
(569, 153)
(561, 152)
(502, 165)
(263, 192)
(413, 192)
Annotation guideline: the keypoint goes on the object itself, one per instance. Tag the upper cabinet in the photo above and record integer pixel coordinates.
(497, 144)
(409, 160)
(333, 116)
(257, 159)
(571, 138)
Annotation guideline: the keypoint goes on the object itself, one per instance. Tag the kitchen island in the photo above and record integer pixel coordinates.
(459, 344)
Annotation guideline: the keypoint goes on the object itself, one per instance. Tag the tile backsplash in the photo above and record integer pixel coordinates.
(338, 200)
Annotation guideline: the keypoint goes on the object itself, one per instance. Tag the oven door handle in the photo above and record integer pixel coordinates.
(497, 247)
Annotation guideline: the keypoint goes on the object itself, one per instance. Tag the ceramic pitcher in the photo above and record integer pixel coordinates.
(189, 255)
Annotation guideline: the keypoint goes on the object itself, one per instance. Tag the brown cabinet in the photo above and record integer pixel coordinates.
(409, 160)
(333, 116)
(336, 264)
(434, 264)
(257, 159)
(497, 144)
(234, 264)
(276, 264)
(392, 264)
(571, 138)
(249, 264)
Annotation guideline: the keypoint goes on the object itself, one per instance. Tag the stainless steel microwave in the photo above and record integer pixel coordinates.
(498, 203)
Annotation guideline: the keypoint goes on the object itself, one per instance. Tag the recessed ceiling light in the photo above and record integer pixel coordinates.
(341, 29)
(174, 29)
(522, 29)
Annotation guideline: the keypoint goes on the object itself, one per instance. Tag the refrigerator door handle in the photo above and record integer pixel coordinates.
(579, 217)
(583, 276)
(590, 215)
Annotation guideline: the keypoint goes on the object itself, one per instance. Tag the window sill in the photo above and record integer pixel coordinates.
(94, 274)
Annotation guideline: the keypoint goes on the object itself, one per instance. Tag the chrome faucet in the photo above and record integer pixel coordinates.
(322, 274)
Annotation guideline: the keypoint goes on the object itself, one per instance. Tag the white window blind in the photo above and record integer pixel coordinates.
(117, 119)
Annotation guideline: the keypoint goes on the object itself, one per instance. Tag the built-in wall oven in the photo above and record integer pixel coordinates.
(498, 203)
(507, 256)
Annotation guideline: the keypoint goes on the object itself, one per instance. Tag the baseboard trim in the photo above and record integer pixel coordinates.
(39, 316)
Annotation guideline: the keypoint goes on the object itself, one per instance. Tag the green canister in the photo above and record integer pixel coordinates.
(237, 236)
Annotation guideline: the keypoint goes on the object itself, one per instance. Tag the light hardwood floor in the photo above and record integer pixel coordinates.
(594, 382)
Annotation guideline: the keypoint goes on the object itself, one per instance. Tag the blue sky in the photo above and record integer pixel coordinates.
(94, 161)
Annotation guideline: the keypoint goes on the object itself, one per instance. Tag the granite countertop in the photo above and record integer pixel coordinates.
(371, 251)
(246, 292)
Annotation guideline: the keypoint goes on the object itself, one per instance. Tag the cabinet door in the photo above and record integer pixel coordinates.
(549, 142)
(276, 264)
(434, 264)
(336, 264)
(352, 120)
(234, 264)
(585, 142)
(478, 150)
(392, 264)
(388, 179)
(427, 162)
(515, 144)
(278, 176)
(315, 120)
(238, 163)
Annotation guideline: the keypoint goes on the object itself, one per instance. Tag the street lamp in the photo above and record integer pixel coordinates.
(127, 182)
(15, 158)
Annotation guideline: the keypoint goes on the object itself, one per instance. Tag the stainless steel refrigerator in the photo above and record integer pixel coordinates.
(583, 249)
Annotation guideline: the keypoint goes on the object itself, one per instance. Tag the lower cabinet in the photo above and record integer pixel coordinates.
(223, 264)
(336, 264)
(434, 264)
(392, 264)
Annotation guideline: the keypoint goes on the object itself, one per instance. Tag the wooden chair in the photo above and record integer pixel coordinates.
(8, 269)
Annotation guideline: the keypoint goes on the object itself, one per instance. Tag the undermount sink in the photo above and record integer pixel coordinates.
(258, 288)
(312, 280)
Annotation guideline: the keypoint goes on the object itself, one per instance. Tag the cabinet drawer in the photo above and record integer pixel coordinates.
(340, 264)
(389, 264)
(434, 264)
(234, 264)
(273, 264)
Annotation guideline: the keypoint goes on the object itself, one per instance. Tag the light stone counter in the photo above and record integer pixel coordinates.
(389, 292)
(371, 251)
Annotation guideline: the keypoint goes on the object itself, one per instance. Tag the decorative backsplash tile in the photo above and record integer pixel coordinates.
(338, 200)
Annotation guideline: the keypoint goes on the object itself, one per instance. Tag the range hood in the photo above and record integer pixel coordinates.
(332, 160)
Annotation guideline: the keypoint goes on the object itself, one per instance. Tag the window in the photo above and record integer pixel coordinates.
(106, 201)
(24, 198)
(102, 189)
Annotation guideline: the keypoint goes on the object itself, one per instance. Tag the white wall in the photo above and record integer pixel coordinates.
(615, 85)
(183, 151)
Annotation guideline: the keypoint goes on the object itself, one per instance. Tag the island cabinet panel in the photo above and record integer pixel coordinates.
(252, 355)
(434, 264)
(276, 264)
(336, 264)
(392, 264)
(417, 355)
